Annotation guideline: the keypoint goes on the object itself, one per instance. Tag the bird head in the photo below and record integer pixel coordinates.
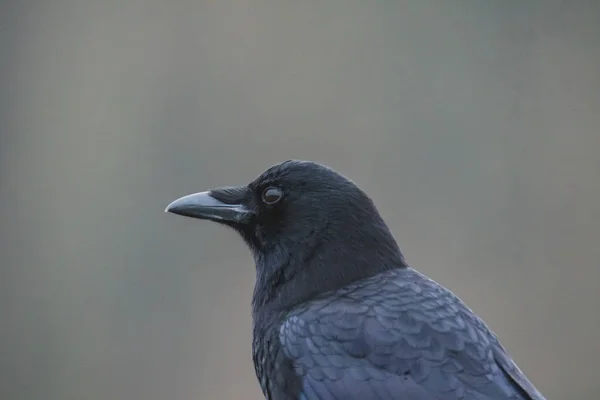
(300, 217)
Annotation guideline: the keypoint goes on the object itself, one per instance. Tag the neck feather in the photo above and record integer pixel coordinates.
(290, 274)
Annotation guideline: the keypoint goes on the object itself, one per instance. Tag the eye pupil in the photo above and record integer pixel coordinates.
(272, 195)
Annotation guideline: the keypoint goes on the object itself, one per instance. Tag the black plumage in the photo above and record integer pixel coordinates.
(337, 312)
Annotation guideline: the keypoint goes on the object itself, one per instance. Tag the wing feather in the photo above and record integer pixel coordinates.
(398, 335)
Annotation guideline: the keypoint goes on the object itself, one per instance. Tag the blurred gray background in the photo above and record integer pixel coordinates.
(475, 126)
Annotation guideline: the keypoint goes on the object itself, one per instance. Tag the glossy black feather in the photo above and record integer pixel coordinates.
(397, 335)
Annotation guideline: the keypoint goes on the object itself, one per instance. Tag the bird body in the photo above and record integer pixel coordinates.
(396, 335)
(337, 311)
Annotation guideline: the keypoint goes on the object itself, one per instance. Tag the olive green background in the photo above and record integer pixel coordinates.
(475, 127)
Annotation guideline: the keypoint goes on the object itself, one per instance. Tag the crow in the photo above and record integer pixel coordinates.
(337, 311)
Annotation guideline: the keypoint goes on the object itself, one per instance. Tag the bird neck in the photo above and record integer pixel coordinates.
(287, 278)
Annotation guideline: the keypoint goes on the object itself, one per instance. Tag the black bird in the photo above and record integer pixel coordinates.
(337, 312)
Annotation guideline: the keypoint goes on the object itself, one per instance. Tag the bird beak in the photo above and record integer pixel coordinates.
(204, 206)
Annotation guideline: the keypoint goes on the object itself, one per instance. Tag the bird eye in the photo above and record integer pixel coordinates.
(271, 195)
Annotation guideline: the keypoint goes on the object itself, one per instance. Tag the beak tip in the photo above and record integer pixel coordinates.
(170, 207)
